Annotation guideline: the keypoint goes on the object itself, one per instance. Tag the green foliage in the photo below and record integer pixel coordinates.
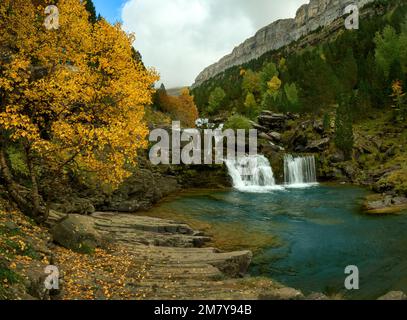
(17, 160)
(344, 139)
(9, 276)
(268, 101)
(267, 73)
(387, 49)
(237, 121)
(27, 250)
(291, 92)
(90, 7)
(215, 100)
(326, 122)
(251, 82)
(251, 107)
(348, 63)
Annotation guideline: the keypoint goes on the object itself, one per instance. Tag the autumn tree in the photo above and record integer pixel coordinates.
(72, 98)
(188, 112)
(181, 108)
(268, 72)
(251, 82)
(399, 99)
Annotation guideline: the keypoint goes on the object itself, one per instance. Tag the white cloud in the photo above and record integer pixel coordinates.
(182, 37)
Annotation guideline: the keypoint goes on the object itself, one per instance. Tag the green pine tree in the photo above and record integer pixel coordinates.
(90, 7)
(344, 139)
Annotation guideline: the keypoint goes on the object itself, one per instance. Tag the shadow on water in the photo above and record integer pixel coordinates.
(303, 238)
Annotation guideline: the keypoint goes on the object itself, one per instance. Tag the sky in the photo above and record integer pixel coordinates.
(179, 38)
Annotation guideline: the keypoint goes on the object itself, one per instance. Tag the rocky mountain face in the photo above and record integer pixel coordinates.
(309, 17)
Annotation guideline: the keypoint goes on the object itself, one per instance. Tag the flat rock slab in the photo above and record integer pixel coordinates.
(178, 267)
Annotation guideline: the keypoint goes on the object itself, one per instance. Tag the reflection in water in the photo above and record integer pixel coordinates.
(303, 238)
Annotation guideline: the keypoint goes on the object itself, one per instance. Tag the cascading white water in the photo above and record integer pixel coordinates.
(251, 173)
(299, 171)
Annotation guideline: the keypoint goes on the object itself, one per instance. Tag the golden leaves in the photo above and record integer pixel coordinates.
(75, 94)
(107, 274)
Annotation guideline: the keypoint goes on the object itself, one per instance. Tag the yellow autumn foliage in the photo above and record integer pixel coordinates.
(74, 95)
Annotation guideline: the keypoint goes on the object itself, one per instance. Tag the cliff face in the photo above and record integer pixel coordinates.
(309, 17)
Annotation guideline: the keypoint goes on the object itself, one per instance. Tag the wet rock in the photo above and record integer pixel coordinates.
(298, 141)
(384, 204)
(283, 294)
(394, 295)
(317, 296)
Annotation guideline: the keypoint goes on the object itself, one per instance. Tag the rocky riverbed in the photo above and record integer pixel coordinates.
(126, 256)
(178, 263)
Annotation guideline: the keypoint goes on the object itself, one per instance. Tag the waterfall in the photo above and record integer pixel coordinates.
(251, 173)
(299, 171)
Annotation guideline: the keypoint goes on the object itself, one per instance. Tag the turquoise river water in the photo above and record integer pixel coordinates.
(320, 231)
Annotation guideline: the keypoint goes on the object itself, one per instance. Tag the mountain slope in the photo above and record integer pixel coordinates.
(309, 17)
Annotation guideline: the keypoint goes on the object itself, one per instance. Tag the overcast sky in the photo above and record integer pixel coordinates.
(182, 37)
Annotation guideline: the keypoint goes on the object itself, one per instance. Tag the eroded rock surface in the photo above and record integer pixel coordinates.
(178, 266)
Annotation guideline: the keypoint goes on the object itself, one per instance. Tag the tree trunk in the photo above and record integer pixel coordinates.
(35, 197)
(33, 210)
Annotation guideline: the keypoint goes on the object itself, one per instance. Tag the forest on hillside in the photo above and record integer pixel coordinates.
(359, 70)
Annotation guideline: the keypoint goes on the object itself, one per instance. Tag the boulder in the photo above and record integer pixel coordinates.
(273, 121)
(298, 141)
(77, 233)
(318, 127)
(275, 136)
(317, 145)
(265, 136)
(258, 127)
(140, 192)
(74, 205)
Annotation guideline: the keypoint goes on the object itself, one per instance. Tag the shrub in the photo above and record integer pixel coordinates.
(238, 121)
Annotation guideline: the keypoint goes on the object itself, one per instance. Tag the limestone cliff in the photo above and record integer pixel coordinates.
(309, 17)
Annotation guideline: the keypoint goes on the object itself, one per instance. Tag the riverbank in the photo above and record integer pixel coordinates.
(132, 256)
(119, 256)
